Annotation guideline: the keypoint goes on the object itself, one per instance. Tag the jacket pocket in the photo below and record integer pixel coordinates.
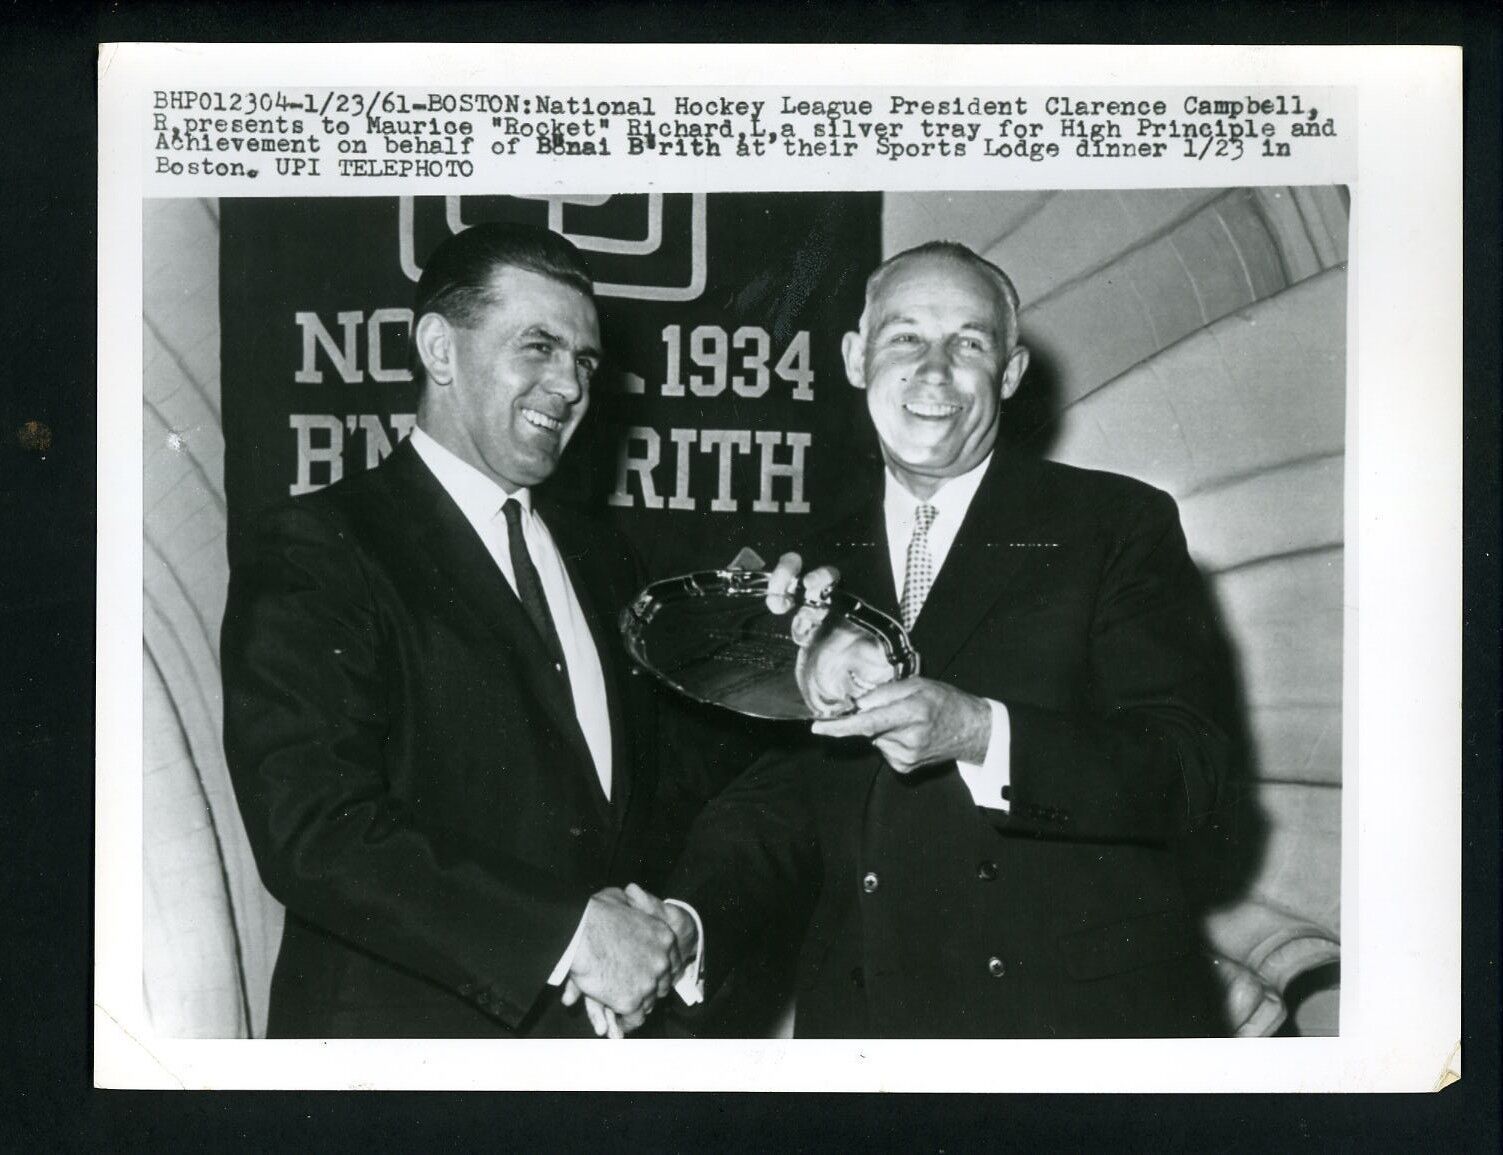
(1130, 944)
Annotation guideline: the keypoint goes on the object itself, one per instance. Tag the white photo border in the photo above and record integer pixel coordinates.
(1401, 822)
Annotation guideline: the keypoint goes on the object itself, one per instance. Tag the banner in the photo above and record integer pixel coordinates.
(721, 418)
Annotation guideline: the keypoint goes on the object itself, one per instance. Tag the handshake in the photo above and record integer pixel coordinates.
(630, 952)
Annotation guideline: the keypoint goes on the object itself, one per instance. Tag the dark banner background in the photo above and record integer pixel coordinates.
(722, 418)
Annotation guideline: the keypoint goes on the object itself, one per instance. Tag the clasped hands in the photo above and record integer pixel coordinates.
(632, 949)
(913, 722)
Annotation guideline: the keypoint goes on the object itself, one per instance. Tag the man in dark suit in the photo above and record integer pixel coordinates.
(996, 837)
(444, 768)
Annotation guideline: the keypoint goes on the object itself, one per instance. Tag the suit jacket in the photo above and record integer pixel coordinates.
(414, 782)
(1069, 596)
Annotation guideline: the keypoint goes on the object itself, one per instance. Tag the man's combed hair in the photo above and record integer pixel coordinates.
(955, 251)
(456, 281)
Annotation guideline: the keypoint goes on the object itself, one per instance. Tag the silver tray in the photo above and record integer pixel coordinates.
(712, 636)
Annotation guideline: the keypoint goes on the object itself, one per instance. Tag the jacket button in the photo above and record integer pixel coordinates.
(996, 967)
(576, 830)
(869, 881)
(858, 978)
(987, 871)
(466, 989)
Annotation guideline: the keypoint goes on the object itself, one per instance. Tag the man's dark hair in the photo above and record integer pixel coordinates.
(456, 281)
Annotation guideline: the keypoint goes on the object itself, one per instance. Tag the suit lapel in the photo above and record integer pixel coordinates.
(997, 539)
(457, 557)
(861, 553)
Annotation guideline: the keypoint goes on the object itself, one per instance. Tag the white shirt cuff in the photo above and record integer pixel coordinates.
(691, 984)
(561, 972)
(987, 781)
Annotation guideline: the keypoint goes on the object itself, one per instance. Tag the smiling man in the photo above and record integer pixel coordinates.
(445, 772)
(996, 838)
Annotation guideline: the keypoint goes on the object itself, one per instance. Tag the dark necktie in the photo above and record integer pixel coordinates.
(529, 587)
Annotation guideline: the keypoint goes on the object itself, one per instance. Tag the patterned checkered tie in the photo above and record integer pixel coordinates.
(920, 571)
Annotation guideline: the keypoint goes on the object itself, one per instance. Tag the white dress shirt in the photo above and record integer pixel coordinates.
(987, 779)
(480, 500)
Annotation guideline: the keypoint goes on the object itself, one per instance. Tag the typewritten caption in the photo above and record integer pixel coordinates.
(314, 137)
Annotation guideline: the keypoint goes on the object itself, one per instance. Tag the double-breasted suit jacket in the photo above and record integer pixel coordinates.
(1070, 597)
(414, 781)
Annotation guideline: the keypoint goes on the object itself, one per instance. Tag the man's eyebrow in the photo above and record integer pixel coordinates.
(904, 319)
(549, 335)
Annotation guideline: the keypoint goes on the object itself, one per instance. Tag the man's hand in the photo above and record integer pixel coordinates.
(783, 581)
(603, 1020)
(918, 722)
(626, 960)
(678, 919)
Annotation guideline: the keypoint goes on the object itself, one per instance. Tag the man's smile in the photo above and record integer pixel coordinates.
(931, 409)
(541, 420)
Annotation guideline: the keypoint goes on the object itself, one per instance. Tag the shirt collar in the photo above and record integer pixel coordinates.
(479, 497)
(950, 501)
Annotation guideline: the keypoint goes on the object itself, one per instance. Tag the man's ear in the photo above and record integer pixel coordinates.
(853, 349)
(435, 346)
(1012, 375)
